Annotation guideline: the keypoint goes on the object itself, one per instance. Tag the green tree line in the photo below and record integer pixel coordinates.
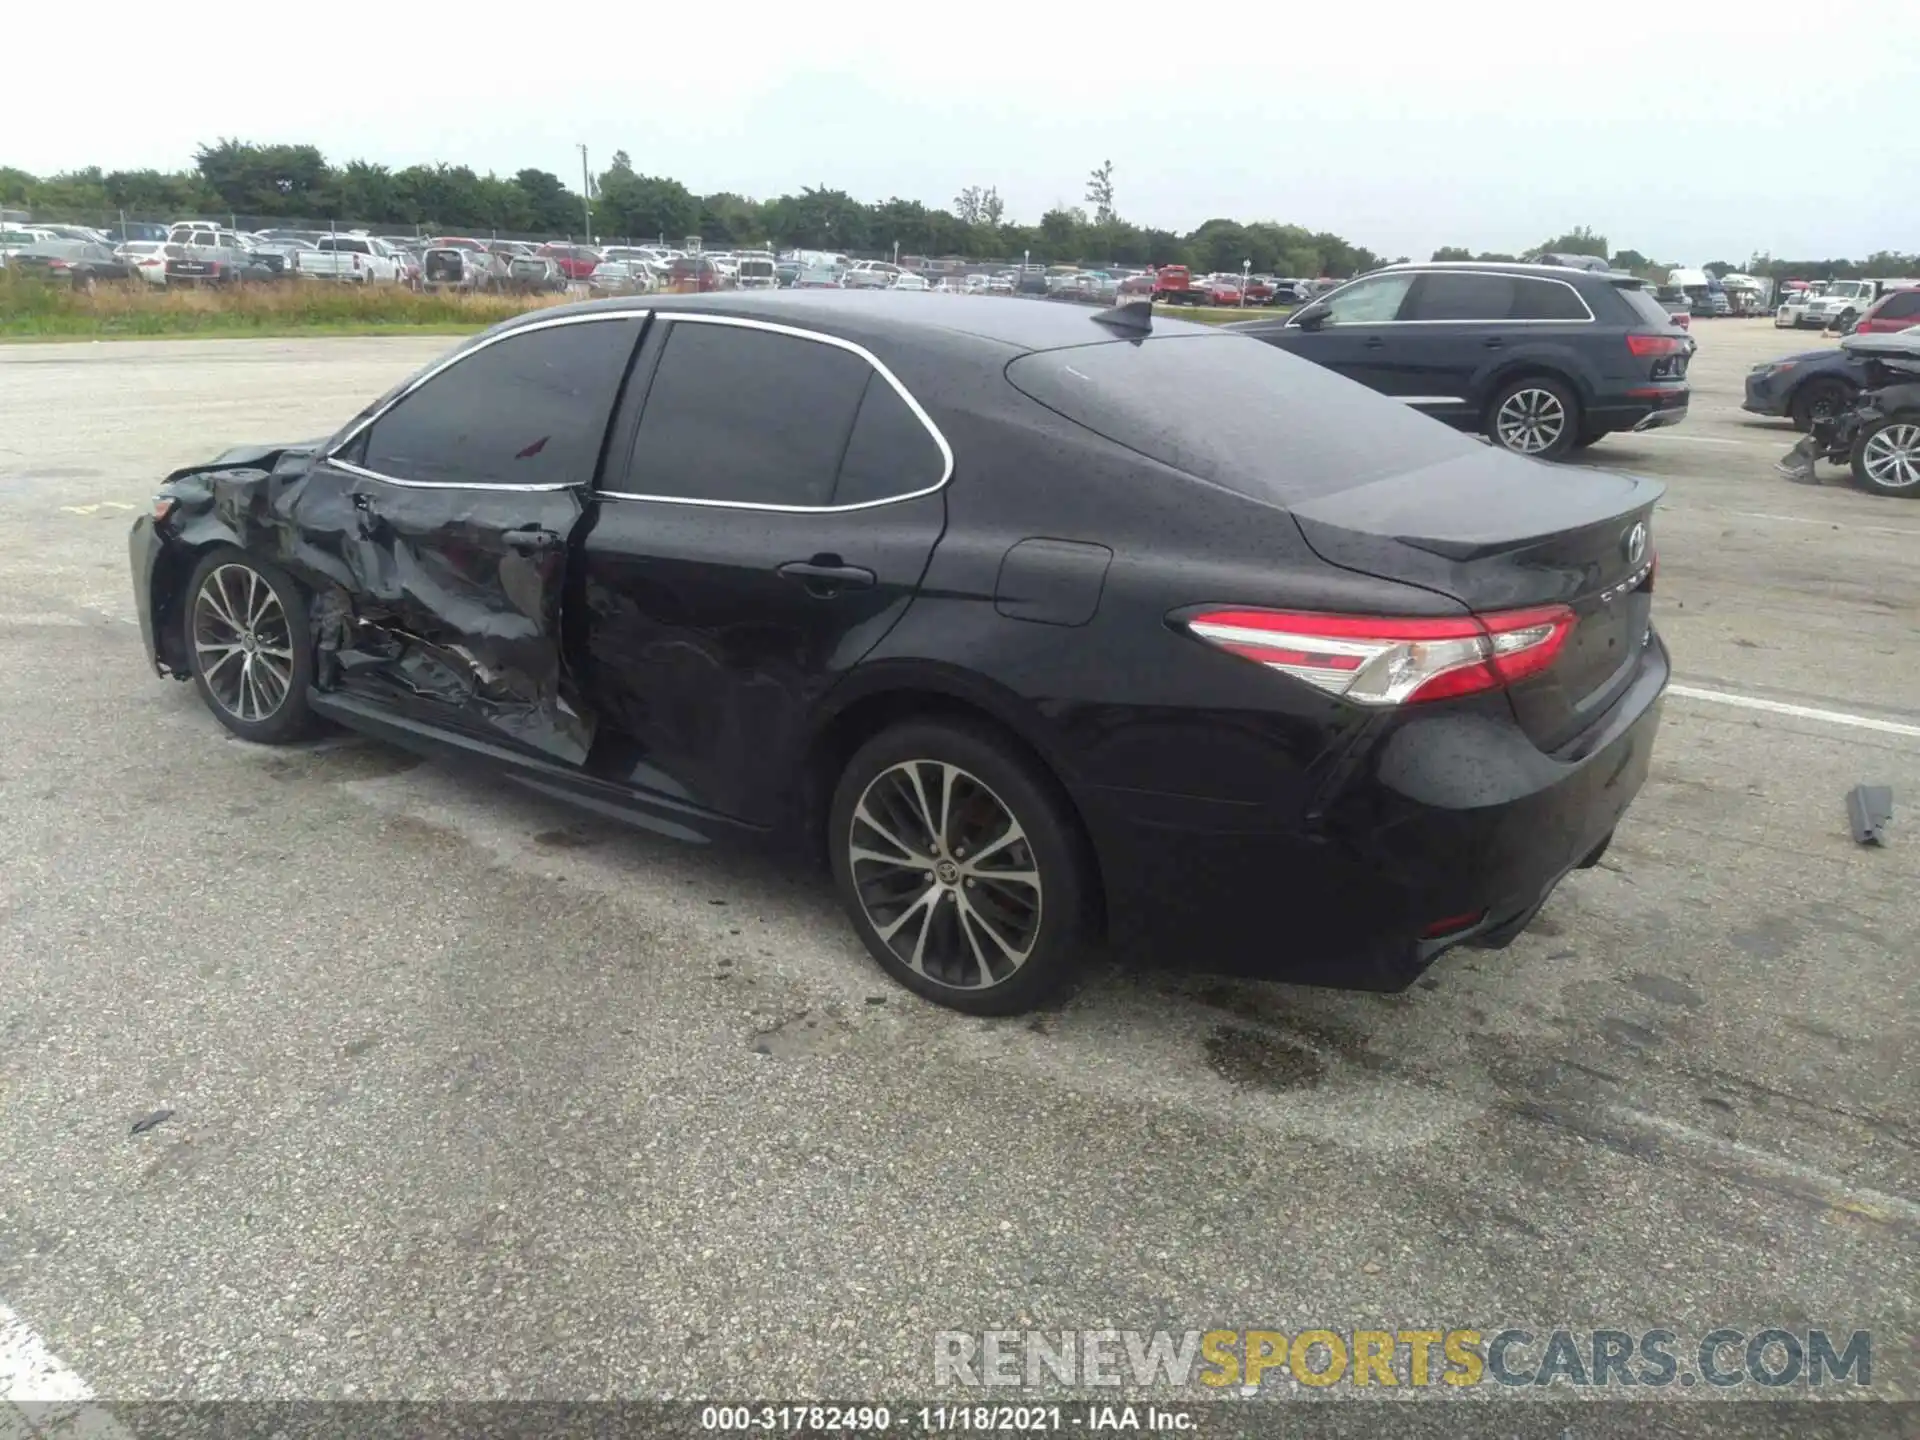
(296, 182)
(261, 183)
(1584, 241)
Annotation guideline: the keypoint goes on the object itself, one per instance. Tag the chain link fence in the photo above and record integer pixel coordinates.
(131, 224)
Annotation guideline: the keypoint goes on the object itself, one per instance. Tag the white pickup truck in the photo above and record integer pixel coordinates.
(1845, 301)
(359, 259)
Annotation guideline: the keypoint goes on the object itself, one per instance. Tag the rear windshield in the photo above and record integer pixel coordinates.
(1240, 413)
(1645, 306)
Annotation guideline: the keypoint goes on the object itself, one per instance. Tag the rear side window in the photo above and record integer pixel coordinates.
(1646, 309)
(1238, 412)
(1462, 297)
(1547, 300)
(1900, 305)
(746, 416)
(530, 409)
(890, 453)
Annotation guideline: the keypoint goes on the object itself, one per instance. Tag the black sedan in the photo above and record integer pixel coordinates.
(1039, 623)
(79, 263)
(1813, 385)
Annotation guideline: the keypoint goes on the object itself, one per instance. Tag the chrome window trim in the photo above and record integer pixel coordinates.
(366, 474)
(1494, 274)
(679, 317)
(446, 363)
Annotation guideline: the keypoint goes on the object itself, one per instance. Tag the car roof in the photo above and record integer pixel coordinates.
(1568, 273)
(883, 315)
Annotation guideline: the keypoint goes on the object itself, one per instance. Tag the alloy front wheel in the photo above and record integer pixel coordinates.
(242, 643)
(248, 646)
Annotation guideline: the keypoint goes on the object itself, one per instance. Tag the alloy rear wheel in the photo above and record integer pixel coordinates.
(1886, 457)
(1535, 417)
(960, 866)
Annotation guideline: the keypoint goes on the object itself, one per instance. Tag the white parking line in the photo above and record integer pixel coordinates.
(1702, 440)
(29, 1372)
(40, 1396)
(1829, 1190)
(1798, 712)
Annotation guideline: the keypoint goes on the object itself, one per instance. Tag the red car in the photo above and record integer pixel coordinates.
(1259, 292)
(1174, 285)
(695, 275)
(576, 262)
(1895, 310)
(1221, 292)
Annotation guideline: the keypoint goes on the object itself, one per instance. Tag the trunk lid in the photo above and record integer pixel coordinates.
(1496, 532)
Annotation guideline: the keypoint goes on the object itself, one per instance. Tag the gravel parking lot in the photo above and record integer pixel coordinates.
(473, 1097)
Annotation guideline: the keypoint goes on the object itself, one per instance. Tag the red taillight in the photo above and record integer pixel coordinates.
(1655, 344)
(1452, 925)
(58, 265)
(1378, 660)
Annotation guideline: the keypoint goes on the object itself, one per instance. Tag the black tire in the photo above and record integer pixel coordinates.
(1890, 448)
(1513, 392)
(1589, 438)
(1816, 399)
(242, 628)
(1050, 913)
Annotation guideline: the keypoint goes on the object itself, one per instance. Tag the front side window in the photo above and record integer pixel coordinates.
(1371, 301)
(529, 409)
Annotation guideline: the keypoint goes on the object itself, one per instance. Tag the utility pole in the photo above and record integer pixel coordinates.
(586, 196)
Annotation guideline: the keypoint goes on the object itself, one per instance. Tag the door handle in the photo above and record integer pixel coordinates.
(824, 576)
(530, 541)
(1374, 342)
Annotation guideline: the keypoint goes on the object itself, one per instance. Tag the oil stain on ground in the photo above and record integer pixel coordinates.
(1665, 989)
(1256, 1061)
(807, 1034)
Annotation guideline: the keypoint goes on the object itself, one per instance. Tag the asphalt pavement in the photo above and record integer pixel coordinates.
(469, 1096)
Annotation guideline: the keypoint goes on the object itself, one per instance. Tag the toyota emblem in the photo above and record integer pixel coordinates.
(1634, 543)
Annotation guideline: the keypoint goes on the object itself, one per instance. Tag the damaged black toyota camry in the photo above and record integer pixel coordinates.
(1041, 624)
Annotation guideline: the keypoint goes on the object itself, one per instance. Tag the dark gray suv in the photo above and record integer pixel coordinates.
(1541, 359)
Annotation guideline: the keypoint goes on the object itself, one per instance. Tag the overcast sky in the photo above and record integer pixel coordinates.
(1700, 131)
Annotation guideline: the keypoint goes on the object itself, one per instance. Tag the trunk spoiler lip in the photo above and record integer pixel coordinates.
(1366, 509)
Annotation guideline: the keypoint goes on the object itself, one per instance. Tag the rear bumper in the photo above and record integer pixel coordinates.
(1651, 408)
(1456, 815)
